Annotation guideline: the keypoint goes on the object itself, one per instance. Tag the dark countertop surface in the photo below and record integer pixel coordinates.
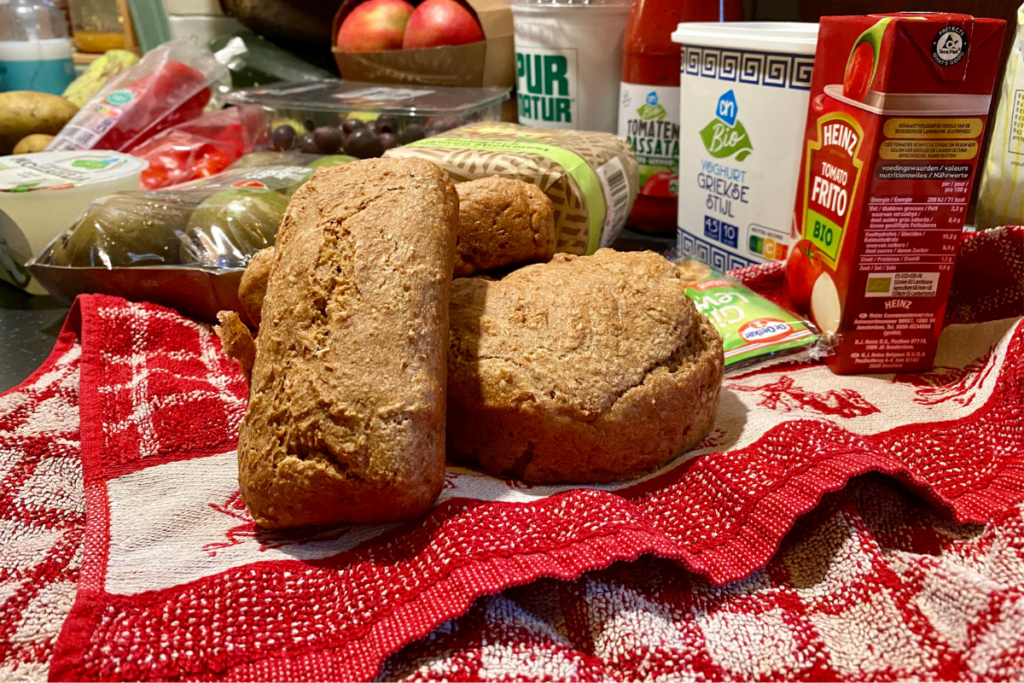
(29, 325)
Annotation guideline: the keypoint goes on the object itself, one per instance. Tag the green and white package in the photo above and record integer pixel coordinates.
(753, 329)
(1001, 194)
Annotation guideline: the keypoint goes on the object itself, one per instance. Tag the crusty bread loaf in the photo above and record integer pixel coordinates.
(585, 369)
(502, 222)
(253, 286)
(346, 415)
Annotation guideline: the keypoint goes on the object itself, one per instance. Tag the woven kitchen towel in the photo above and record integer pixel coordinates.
(872, 585)
(176, 581)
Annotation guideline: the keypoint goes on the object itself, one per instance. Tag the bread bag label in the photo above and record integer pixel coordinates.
(591, 178)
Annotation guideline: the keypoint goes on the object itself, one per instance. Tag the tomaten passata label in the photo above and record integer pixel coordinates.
(649, 120)
(751, 326)
(832, 171)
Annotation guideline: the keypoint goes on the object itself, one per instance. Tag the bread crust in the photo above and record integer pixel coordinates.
(253, 286)
(585, 369)
(502, 222)
(346, 415)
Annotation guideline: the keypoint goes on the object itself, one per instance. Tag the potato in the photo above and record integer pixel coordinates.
(23, 113)
(36, 142)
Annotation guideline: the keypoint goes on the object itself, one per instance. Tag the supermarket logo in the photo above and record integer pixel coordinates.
(725, 135)
(119, 98)
(651, 110)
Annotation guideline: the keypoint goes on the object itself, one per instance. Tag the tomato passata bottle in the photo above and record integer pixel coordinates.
(649, 100)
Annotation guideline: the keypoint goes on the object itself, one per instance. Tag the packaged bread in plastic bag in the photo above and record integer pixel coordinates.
(591, 178)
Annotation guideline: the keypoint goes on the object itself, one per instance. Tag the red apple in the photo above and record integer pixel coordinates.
(374, 26)
(441, 22)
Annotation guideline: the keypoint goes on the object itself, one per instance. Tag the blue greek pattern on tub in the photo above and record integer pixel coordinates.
(693, 247)
(772, 69)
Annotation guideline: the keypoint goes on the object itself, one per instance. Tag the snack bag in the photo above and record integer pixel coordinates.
(172, 84)
(753, 329)
(591, 178)
(201, 147)
(1001, 195)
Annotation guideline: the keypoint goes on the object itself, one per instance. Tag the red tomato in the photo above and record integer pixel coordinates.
(802, 269)
(211, 161)
(659, 185)
(858, 72)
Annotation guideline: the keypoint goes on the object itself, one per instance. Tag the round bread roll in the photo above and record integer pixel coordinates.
(502, 222)
(585, 369)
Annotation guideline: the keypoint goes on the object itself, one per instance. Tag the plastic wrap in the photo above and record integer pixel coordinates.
(172, 84)
(201, 147)
(753, 329)
(185, 248)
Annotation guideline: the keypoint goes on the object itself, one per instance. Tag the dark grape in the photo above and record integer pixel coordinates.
(308, 123)
(387, 123)
(372, 127)
(412, 133)
(328, 139)
(349, 125)
(307, 144)
(283, 138)
(388, 140)
(363, 144)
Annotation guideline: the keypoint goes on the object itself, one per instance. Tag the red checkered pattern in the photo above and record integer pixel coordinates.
(42, 512)
(176, 582)
(870, 586)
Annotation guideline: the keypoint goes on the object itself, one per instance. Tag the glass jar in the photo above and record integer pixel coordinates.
(97, 25)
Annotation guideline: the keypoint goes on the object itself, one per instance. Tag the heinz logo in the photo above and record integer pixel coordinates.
(902, 304)
(841, 135)
(545, 87)
(765, 329)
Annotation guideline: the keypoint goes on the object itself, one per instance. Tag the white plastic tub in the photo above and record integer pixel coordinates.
(744, 91)
(43, 194)
(569, 62)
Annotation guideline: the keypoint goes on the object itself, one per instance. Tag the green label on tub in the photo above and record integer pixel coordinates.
(725, 135)
(546, 81)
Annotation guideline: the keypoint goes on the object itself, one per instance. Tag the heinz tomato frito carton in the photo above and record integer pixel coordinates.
(894, 129)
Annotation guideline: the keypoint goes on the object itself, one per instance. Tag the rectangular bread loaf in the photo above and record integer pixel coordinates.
(346, 416)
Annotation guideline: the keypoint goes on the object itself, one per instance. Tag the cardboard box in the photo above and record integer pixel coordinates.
(487, 63)
(894, 130)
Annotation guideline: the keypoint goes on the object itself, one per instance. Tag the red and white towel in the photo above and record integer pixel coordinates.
(118, 490)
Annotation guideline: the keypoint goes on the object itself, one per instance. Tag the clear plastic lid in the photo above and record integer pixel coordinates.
(31, 20)
(345, 96)
(65, 170)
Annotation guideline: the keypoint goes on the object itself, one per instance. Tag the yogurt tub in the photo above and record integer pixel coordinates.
(569, 62)
(42, 195)
(744, 90)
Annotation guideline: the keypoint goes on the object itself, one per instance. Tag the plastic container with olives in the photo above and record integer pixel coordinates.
(364, 120)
